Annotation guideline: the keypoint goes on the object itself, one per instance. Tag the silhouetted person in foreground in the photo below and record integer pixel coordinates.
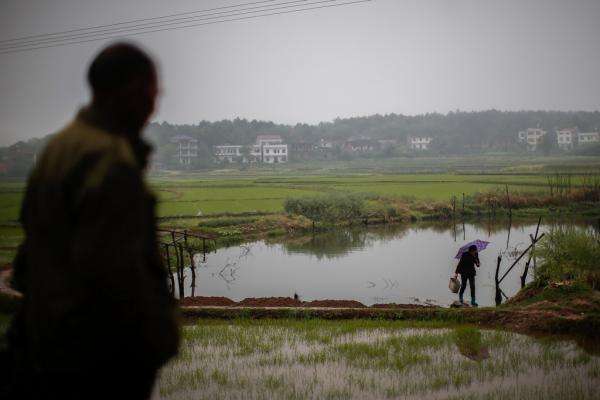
(97, 319)
(466, 268)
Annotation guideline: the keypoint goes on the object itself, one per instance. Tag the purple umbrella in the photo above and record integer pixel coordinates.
(481, 245)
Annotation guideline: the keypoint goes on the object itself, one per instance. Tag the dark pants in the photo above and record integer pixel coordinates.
(471, 280)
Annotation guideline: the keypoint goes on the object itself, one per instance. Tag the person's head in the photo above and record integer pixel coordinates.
(124, 85)
(473, 249)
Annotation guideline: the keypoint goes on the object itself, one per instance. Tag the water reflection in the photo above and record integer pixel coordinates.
(385, 264)
(341, 242)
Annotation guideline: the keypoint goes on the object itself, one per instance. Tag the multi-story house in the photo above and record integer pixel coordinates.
(419, 142)
(566, 138)
(532, 137)
(361, 145)
(585, 138)
(187, 148)
(229, 153)
(271, 149)
(268, 149)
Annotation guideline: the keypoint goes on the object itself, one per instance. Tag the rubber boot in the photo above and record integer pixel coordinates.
(461, 300)
(474, 303)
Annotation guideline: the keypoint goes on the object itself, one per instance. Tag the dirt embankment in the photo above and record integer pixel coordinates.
(558, 308)
(271, 302)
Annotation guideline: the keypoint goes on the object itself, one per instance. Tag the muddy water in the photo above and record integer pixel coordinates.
(391, 264)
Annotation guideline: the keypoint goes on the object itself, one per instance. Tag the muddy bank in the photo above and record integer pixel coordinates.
(557, 308)
(522, 321)
(270, 302)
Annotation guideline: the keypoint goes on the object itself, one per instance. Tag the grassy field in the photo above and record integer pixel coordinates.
(363, 359)
(265, 189)
(191, 196)
(204, 196)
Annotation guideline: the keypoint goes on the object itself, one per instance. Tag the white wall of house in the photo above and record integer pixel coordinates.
(585, 138)
(532, 137)
(229, 153)
(566, 138)
(187, 149)
(419, 143)
(268, 149)
(275, 153)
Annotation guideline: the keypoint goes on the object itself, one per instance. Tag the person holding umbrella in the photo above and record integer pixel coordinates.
(469, 259)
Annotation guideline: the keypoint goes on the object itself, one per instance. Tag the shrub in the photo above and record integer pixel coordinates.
(570, 253)
(327, 208)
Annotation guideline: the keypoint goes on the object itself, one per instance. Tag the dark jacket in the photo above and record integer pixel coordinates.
(95, 289)
(466, 265)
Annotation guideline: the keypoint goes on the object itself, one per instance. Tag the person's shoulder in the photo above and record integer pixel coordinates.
(84, 138)
(80, 146)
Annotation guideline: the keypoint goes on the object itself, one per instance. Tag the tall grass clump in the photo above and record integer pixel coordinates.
(570, 253)
(331, 208)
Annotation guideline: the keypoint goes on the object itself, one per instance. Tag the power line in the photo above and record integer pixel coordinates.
(150, 25)
(157, 21)
(18, 50)
(138, 20)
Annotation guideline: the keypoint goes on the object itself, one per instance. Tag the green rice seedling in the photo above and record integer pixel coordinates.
(369, 359)
(273, 382)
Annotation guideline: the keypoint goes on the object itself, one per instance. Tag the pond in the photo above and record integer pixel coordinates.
(384, 264)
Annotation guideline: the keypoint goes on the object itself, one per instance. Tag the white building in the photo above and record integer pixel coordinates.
(229, 153)
(419, 143)
(566, 138)
(532, 137)
(585, 138)
(187, 148)
(268, 149)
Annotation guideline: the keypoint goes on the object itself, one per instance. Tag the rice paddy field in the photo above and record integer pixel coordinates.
(364, 359)
(197, 196)
(204, 195)
(265, 189)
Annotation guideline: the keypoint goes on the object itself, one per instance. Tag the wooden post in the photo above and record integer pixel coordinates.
(190, 252)
(181, 272)
(498, 296)
(509, 229)
(453, 206)
(454, 228)
(463, 204)
(171, 278)
(525, 272)
(533, 239)
(508, 203)
(521, 256)
(177, 261)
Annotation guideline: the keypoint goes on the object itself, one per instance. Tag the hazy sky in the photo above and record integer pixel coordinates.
(402, 56)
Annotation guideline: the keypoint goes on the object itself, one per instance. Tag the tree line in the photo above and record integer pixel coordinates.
(454, 133)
